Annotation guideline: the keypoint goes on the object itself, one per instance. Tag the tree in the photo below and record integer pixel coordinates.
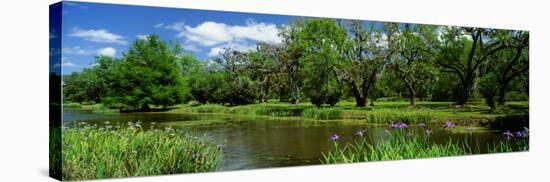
(263, 67)
(323, 43)
(512, 61)
(92, 83)
(489, 89)
(364, 59)
(413, 52)
(291, 67)
(149, 74)
(462, 52)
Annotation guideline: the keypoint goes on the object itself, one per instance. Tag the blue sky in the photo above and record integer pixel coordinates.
(91, 29)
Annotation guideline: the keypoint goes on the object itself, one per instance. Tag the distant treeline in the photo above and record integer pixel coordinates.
(322, 61)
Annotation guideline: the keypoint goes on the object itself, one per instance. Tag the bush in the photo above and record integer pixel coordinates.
(91, 153)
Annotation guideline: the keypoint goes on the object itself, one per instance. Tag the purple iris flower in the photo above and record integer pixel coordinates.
(519, 134)
(360, 133)
(393, 125)
(402, 125)
(449, 125)
(422, 125)
(427, 131)
(334, 137)
(525, 132)
(508, 135)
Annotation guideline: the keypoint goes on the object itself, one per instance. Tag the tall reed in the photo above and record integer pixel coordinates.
(93, 153)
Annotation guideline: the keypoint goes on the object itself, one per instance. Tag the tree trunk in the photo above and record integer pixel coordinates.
(266, 94)
(413, 98)
(502, 94)
(360, 101)
(465, 92)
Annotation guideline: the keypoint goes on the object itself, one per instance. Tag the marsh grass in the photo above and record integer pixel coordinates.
(406, 116)
(72, 105)
(250, 110)
(92, 153)
(209, 108)
(323, 113)
(399, 146)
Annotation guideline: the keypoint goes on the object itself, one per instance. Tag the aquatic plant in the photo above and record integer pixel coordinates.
(89, 153)
(449, 125)
(334, 137)
(405, 116)
(323, 113)
(400, 145)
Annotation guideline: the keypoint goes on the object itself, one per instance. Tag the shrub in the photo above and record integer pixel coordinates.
(91, 153)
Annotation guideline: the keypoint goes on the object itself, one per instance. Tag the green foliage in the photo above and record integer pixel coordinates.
(91, 153)
(398, 146)
(400, 115)
(323, 113)
(488, 87)
(72, 105)
(149, 74)
(323, 42)
(323, 60)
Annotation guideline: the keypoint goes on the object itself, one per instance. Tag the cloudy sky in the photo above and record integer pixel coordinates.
(91, 29)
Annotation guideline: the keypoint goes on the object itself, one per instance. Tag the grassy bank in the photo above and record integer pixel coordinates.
(94, 153)
(382, 112)
(401, 146)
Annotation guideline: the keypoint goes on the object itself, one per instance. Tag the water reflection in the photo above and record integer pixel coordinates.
(259, 142)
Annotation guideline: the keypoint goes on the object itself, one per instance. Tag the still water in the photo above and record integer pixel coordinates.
(251, 143)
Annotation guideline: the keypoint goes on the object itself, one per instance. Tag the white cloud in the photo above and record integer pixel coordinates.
(178, 26)
(100, 35)
(142, 36)
(207, 34)
(218, 50)
(107, 51)
(160, 25)
(77, 50)
(65, 63)
(191, 47)
(257, 31)
(211, 33)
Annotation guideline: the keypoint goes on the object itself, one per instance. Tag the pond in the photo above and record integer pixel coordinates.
(251, 143)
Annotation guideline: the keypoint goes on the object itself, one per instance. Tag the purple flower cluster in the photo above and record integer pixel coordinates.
(334, 138)
(449, 125)
(422, 125)
(508, 135)
(519, 134)
(399, 125)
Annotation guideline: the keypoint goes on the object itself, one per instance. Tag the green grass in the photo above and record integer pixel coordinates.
(396, 115)
(323, 113)
(475, 113)
(398, 146)
(72, 105)
(92, 153)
